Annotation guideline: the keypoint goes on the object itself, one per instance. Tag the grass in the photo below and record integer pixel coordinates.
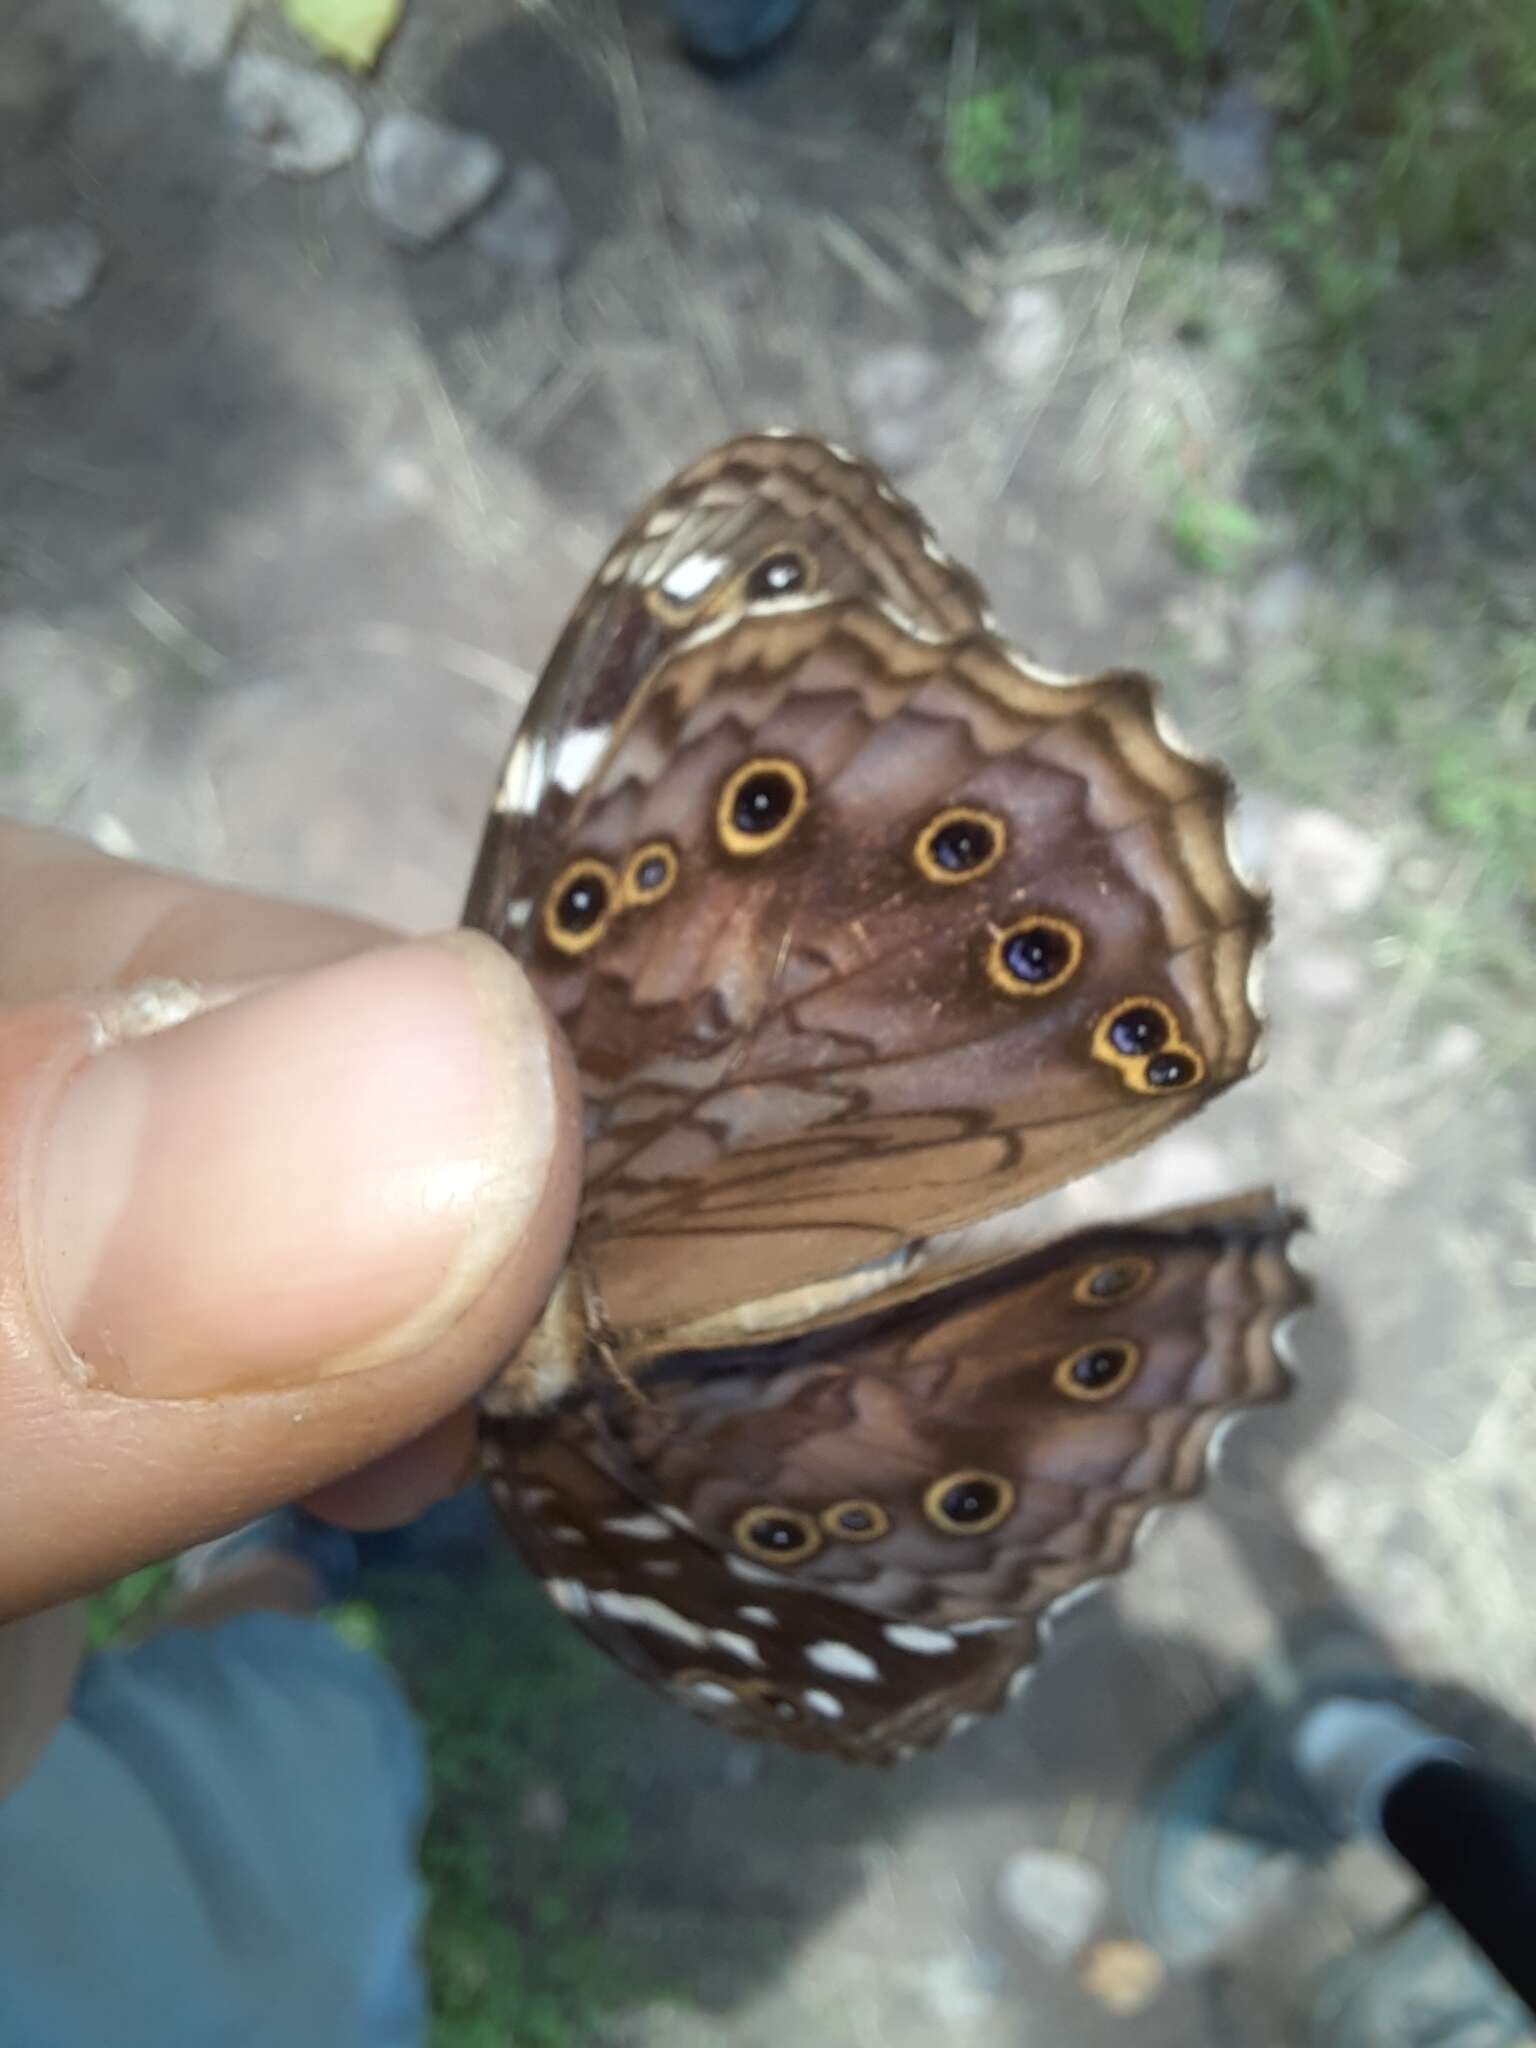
(512, 1704)
(1401, 369)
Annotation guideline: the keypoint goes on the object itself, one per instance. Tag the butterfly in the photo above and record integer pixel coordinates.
(862, 928)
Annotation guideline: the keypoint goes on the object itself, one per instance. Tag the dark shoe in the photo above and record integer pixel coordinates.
(727, 35)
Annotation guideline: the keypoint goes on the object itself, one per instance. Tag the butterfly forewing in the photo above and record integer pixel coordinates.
(893, 1011)
(768, 519)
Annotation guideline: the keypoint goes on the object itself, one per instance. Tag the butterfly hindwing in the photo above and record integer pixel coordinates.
(847, 1541)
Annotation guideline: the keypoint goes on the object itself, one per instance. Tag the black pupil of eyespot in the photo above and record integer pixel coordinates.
(653, 872)
(775, 1532)
(1139, 1030)
(1170, 1070)
(1108, 1282)
(763, 801)
(971, 1501)
(961, 845)
(1037, 953)
(1097, 1368)
(777, 576)
(856, 1519)
(582, 904)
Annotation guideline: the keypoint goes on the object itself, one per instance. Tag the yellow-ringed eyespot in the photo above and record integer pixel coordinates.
(649, 873)
(969, 1503)
(855, 1521)
(580, 901)
(776, 1535)
(1142, 1037)
(760, 805)
(784, 572)
(1034, 957)
(1097, 1371)
(960, 845)
(1116, 1281)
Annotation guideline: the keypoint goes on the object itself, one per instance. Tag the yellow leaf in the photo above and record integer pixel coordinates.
(354, 31)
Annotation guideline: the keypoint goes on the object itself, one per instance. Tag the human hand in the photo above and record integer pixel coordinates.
(268, 1252)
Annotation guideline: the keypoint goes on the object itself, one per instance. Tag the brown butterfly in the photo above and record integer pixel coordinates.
(863, 928)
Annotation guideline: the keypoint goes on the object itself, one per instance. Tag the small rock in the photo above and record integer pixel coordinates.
(300, 122)
(1277, 606)
(527, 230)
(959, 1988)
(544, 1810)
(194, 34)
(49, 269)
(1056, 1899)
(1026, 337)
(1227, 154)
(1124, 1975)
(424, 178)
(1324, 867)
(896, 394)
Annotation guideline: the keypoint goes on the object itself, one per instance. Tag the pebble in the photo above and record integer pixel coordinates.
(1056, 1899)
(528, 229)
(1226, 155)
(895, 394)
(49, 269)
(194, 34)
(960, 1988)
(1124, 1975)
(298, 121)
(424, 177)
(1026, 337)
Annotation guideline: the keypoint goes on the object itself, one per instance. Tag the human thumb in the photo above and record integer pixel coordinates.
(250, 1242)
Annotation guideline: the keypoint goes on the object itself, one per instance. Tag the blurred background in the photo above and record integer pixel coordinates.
(1206, 333)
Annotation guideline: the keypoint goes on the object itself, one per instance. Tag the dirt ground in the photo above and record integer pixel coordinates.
(287, 522)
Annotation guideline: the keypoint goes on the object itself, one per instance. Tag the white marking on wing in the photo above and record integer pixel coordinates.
(985, 1625)
(569, 1595)
(716, 1695)
(576, 755)
(760, 1617)
(842, 1660)
(648, 1528)
(753, 1574)
(737, 1646)
(827, 1704)
(692, 576)
(923, 1642)
(643, 1612)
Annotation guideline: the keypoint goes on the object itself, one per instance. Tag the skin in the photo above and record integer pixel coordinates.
(278, 1195)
